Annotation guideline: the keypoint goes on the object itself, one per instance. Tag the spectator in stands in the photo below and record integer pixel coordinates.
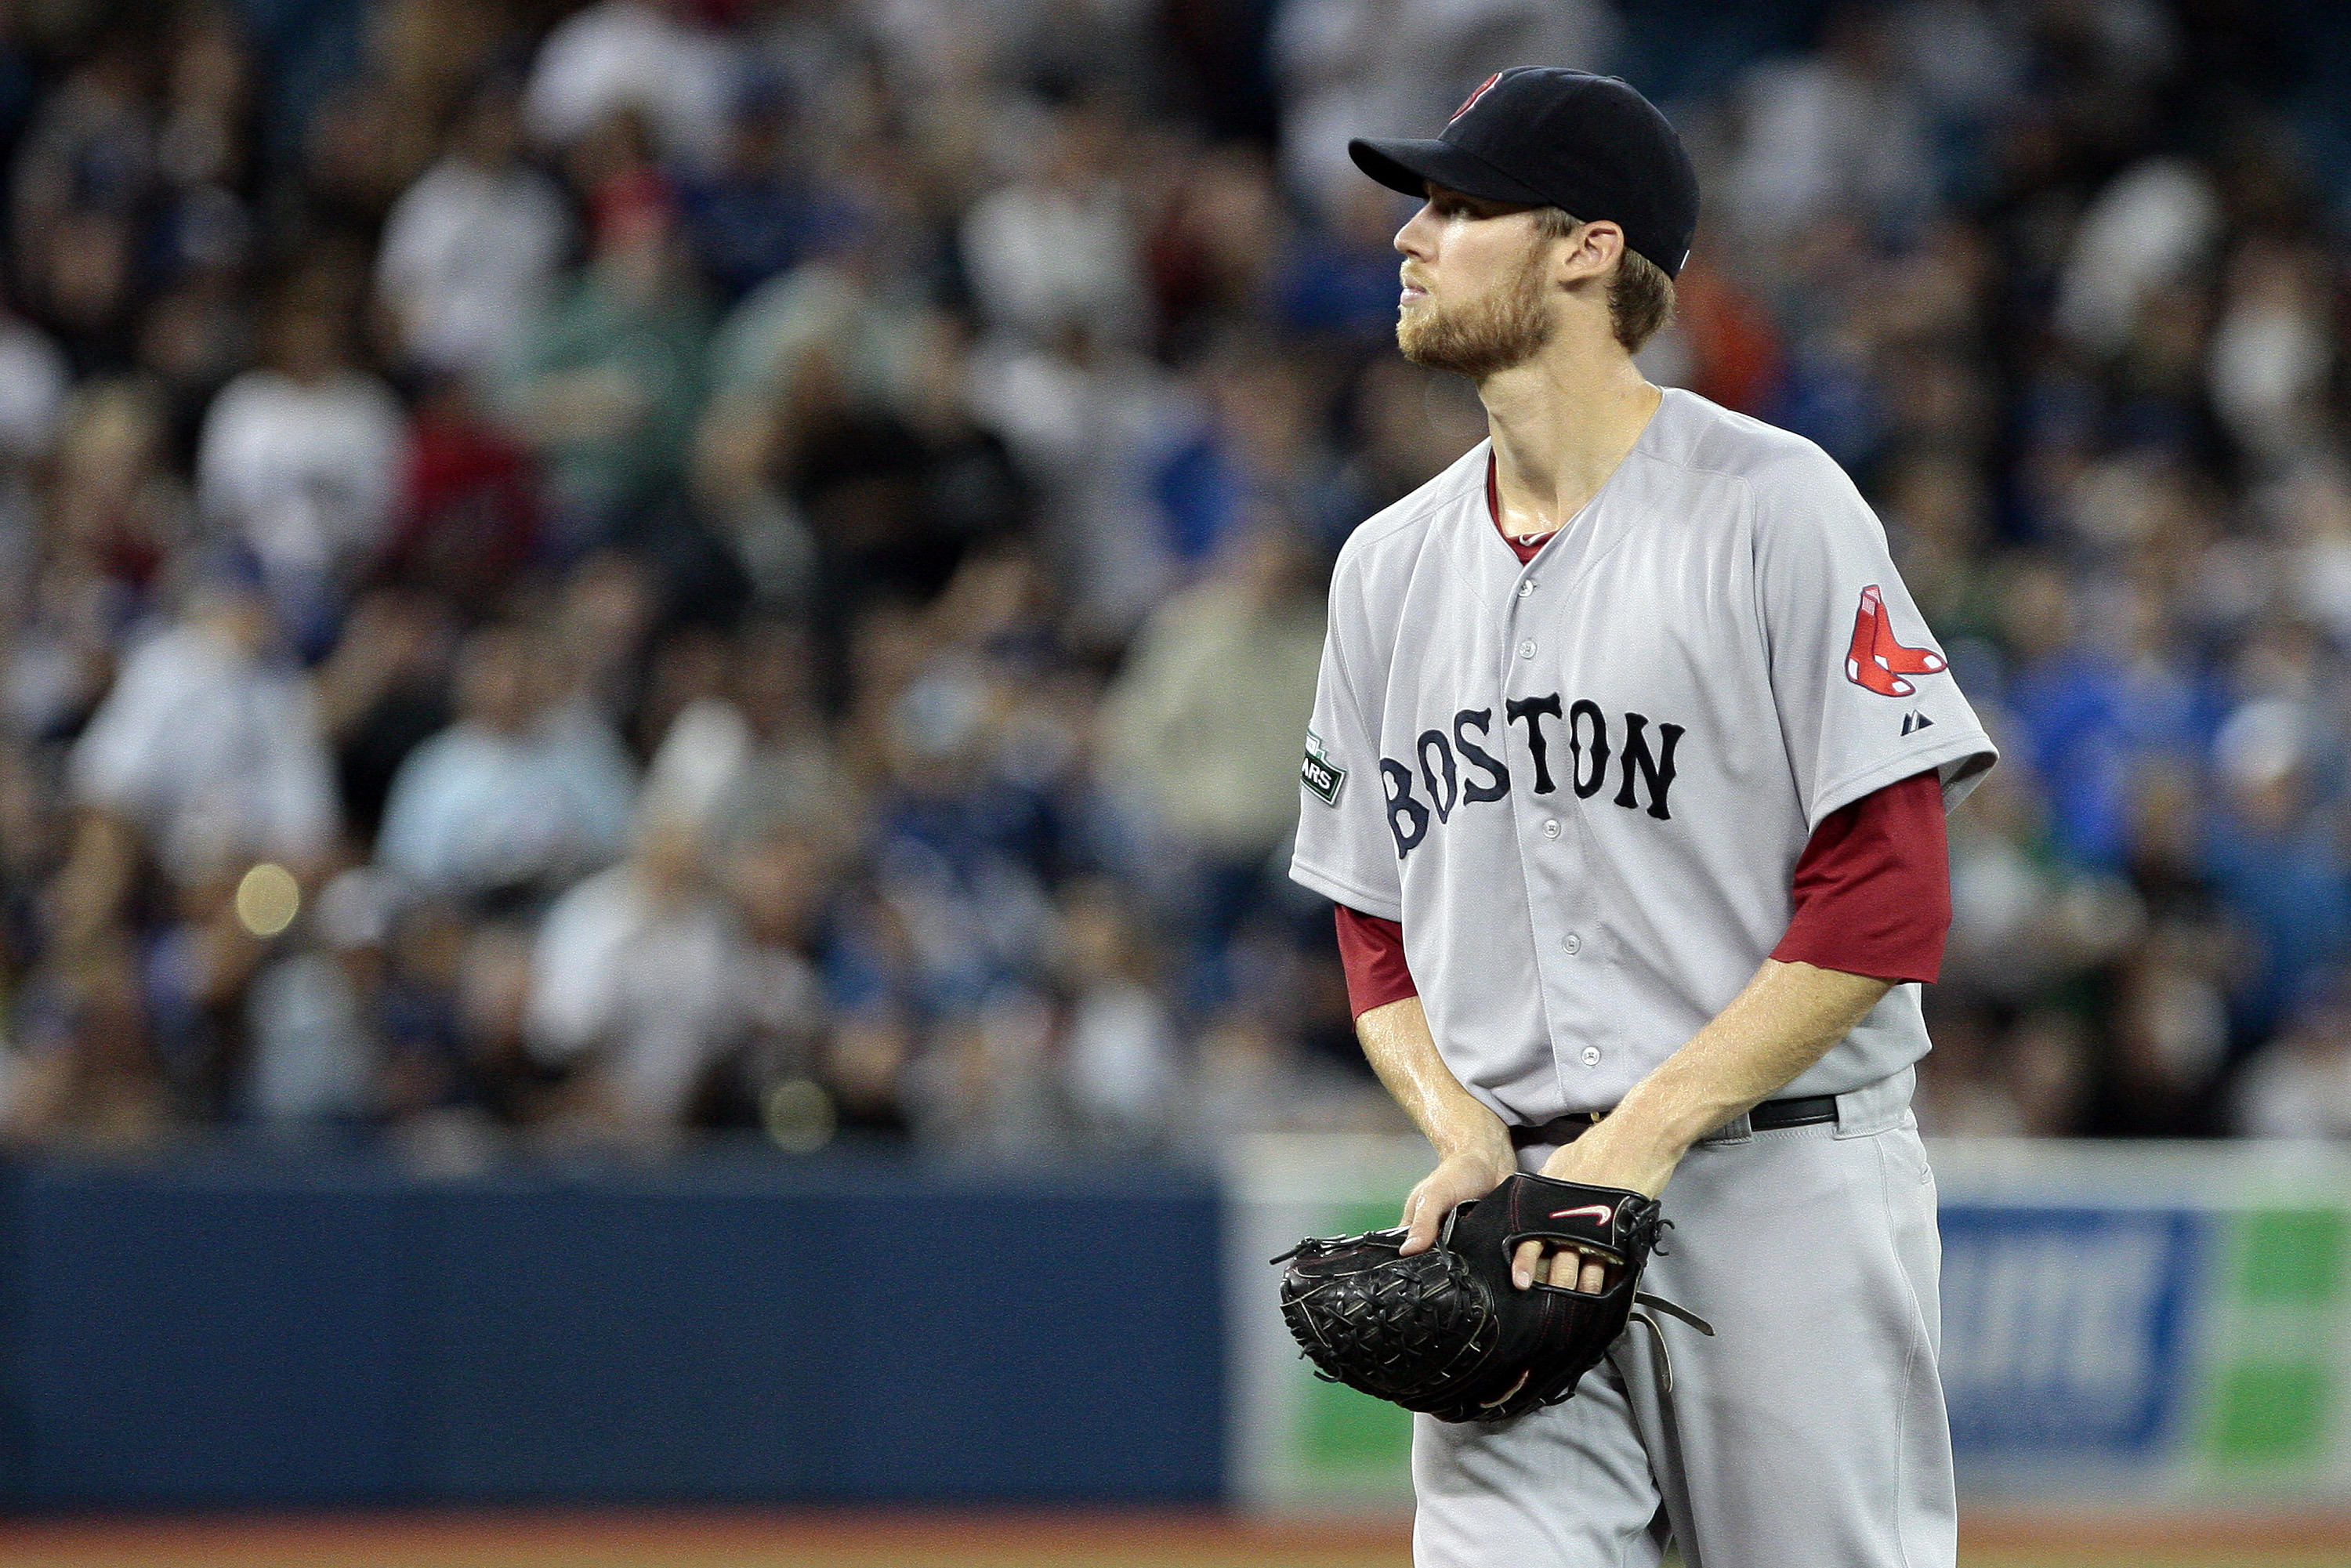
(467, 519)
(2089, 705)
(1191, 733)
(2278, 861)
(501, 1082)
(471, 251)
(34, 380)
(116, 514)
(86, 1077)
(801, 359)
(638, 983)
(1256, 447)
(611, 376)
(519, 795)
(756, 214)
(780, 864)
(383, 692)
(654, 53)
(1963, 1090)
(1089, 423)
(1125, 1074)
(301, 460)
(2299, 1086)
(1210, 256)
(425, 1069)
(313, 1057)
(204, 143)
(84, 178)
(1834, 131)
(758, 752)
(208, 751)
(2272, 351)
(1340, 280)
(1055, 248)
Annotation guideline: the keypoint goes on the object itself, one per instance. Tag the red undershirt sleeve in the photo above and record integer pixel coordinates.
(1873, 896)
(1873, 888)
(1372, 950)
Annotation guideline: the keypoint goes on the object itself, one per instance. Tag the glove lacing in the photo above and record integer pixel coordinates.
(1664, 1355)
(1657, 1243)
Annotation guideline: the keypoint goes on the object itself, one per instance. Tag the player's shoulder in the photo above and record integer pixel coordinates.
(1394, 536)
(1701, 436)
(1792, 493)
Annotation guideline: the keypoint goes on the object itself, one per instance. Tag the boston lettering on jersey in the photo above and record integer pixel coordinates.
(1456, 770)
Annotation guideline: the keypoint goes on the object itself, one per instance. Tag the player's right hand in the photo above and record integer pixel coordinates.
(1455, 1181)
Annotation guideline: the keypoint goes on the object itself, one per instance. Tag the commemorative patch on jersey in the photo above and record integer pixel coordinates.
(1321, 775)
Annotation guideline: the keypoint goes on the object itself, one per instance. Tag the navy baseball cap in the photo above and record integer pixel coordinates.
(1548, 137)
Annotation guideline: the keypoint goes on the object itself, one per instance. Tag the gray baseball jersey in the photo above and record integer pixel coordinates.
(1583, 784)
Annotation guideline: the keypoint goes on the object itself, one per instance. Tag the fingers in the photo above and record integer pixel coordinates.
(1452, 1184)
(1566, 1268)
(1424, 1230)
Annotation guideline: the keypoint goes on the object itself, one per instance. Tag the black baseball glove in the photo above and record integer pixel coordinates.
(1444, 1330)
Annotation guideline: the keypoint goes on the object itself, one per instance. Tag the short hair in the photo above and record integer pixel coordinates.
(1640, 297)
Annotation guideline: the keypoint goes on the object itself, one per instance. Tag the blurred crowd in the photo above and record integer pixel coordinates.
(575, 574)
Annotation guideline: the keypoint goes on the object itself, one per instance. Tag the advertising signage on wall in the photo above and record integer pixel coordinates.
(2063, 1327)
(2119, 1321)
(2149, 1318)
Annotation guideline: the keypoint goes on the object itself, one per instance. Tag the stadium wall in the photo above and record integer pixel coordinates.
(2124, 1324)
(241, 1331)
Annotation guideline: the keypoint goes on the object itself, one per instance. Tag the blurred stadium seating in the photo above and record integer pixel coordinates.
(757, 564)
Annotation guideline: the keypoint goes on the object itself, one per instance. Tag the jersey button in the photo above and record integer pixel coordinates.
(1573, 943)
(1526, 588)
(1590, 1056)
(1527, 649)
(1551, 829)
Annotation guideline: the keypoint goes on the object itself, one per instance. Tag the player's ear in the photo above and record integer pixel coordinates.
(1596, 248)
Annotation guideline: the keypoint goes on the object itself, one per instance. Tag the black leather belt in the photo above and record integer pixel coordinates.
(1770, 1116)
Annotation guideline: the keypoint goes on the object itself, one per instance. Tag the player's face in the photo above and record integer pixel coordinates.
(1475, 299)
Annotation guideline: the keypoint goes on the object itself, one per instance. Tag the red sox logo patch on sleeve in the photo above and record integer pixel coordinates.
(1876, 660)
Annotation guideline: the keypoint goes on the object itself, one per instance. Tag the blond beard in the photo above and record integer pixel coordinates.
(1497, 333)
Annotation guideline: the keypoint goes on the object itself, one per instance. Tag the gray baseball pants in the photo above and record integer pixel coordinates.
(1809, 1433)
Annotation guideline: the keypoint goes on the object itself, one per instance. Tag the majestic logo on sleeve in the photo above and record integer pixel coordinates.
(1325, 778)
(1876, 660)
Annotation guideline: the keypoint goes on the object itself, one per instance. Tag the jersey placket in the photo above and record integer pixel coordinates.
(1571, 955)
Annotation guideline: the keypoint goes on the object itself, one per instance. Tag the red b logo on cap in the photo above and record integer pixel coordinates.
(1467, 102)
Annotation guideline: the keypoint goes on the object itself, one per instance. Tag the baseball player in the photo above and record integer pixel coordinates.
(1627, 772)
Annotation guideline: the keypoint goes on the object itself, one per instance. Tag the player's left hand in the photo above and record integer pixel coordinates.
(1612, 1153)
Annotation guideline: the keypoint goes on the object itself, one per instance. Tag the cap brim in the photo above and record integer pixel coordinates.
(1410, 166)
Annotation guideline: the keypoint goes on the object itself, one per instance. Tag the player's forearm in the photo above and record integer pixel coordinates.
(1402, 1051)
(1784, 1022)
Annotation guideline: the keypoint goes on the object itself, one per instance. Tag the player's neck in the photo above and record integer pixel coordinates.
(1561, 425)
